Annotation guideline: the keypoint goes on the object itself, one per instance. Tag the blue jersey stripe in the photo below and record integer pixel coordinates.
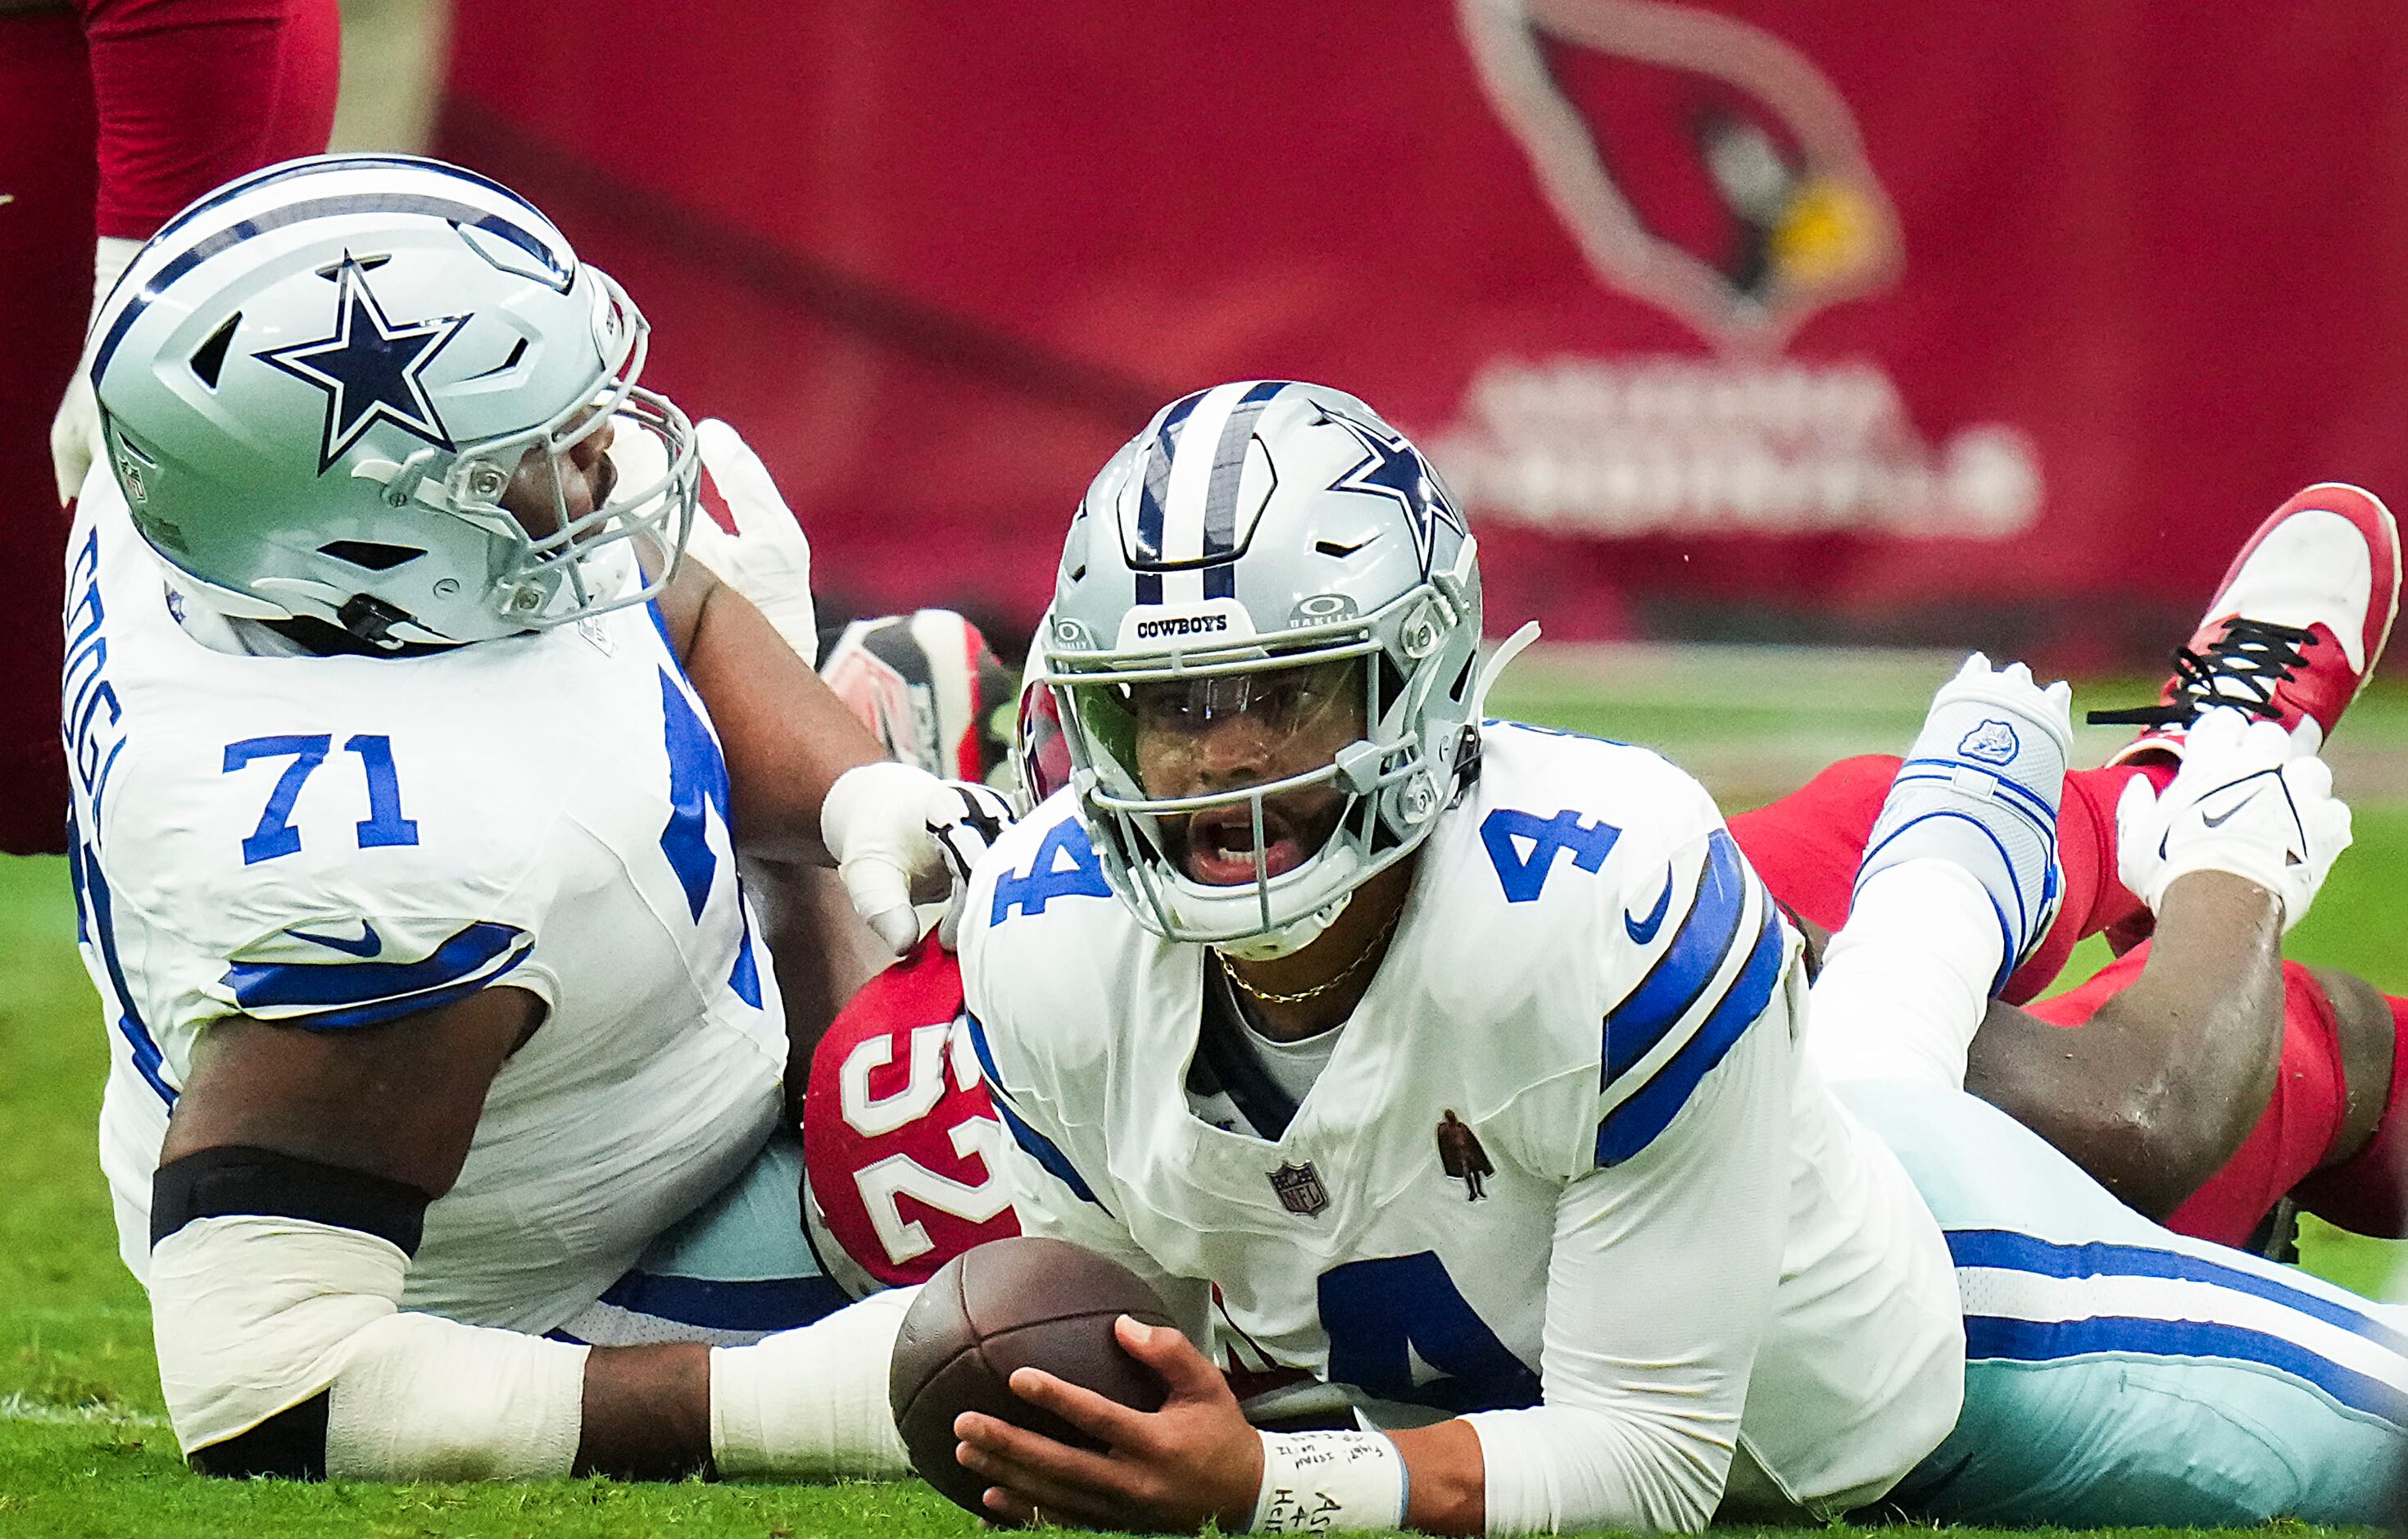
(1707, 934)
(1633, 1124)
(92, 889)
(772, 1303)
(1991, 1338)
(263, 986)
(376, 1013)
(2007, 1250)
(1037, 1144)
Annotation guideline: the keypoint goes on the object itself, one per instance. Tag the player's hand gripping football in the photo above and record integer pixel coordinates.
(2242, 803)
(900, 836)
(1162, 1471)
(767, 559)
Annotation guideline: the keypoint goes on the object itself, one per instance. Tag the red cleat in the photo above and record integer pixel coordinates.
(2295, 628)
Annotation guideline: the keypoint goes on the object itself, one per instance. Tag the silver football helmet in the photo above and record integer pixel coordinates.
(1271, 548)
(320, 383)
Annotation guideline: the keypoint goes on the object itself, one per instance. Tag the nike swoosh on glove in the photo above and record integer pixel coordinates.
(900, 834)
(767, 559)
(2241, 804)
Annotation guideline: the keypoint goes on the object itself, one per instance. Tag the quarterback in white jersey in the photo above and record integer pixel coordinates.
(1461, 1065)
(410, 762)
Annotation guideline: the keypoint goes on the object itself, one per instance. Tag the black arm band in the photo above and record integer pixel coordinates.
(290, 1445)
(236, 1179)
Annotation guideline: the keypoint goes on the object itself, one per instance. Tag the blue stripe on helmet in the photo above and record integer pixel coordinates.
(157, 285)
(316, 166)
(1229, 468)
(1155, 485)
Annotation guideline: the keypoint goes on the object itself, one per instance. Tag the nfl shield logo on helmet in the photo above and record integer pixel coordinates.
(1300, 1190)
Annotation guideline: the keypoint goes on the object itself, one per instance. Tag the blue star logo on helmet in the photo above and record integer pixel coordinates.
(1392, 468)
(371, 369)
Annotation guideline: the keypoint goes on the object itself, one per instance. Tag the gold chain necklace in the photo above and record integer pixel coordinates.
(1370, 948)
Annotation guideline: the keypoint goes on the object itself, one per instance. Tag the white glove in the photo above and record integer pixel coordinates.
(2241, 805)
(898, 833)
(76, 443)
(767, 559)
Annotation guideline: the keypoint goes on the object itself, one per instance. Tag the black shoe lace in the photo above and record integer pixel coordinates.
(2241, 668)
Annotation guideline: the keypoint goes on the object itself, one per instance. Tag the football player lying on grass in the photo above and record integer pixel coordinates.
(1250, 989)
(2199, 1105)
(445, 1090)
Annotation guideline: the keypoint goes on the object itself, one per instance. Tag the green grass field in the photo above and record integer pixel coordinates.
(84, 1449)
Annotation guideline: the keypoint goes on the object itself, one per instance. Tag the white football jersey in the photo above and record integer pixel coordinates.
(337, 842)
(1564, 1153)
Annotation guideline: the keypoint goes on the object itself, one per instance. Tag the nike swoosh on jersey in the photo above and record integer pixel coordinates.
(1644, 931)
(368, 943)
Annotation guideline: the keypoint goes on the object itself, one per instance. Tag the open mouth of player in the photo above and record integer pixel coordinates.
(1220, 844)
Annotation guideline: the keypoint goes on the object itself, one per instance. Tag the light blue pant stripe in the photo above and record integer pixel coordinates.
(2207, 1388)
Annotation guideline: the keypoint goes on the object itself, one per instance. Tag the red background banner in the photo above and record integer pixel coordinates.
(1988, 324)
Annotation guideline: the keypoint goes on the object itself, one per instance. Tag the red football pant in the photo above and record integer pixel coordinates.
(1807, 844)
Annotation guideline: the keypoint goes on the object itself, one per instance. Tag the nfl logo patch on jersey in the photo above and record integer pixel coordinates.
(1300, 1190)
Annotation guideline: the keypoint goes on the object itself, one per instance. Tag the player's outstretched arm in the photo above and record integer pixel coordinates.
(786, 735)
(2157, 1088)
(292, 1192)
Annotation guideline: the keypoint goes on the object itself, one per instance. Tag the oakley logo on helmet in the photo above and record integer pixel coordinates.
(371, 371)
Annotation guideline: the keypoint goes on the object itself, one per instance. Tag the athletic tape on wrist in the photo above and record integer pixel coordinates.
(1330, 1483)
(811, 1403)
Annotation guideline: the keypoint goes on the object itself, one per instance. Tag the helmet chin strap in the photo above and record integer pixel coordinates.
(1289, 938)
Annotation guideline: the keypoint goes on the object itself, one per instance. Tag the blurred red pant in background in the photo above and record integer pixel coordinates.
(113, 115)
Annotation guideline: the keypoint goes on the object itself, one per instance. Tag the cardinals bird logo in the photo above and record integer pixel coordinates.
(1767, 214)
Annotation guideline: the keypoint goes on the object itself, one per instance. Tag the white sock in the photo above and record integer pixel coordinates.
(1906, 982)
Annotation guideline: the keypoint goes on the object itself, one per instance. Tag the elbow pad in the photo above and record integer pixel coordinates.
(257, 1315)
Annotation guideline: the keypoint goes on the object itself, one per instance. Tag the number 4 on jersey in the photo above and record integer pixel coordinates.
(1381, 1315)
(1523, 876)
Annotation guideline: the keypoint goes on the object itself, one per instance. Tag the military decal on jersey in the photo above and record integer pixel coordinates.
(1300, 1190)
(371, 370)
(1525, 875)
(1065, 866)
(1461, 1155)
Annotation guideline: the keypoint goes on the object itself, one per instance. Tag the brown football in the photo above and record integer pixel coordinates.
(1012, 1303)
